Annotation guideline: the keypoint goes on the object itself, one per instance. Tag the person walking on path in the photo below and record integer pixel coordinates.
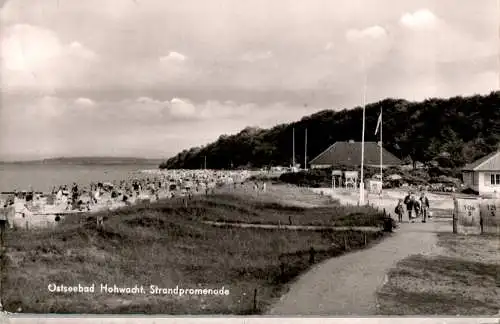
(400, 210)
(424, 203)
(410, 204)
(418, 208)
(74, 195)
(10, 212)
(3, 223)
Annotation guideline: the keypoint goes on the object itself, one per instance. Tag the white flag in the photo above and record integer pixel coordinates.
(379, 123)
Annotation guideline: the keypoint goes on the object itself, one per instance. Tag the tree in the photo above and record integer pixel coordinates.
(465, 127)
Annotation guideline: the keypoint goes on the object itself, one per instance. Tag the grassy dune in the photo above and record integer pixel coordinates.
(464, 279)
(165, 244)
(229, 208)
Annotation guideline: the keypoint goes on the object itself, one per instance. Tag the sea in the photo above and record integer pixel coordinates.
(43, 177)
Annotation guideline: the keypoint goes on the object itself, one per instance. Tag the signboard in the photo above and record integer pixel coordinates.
(467, 216)
(490, 214)
(374, 186)
(337, 173)
(351, 174)
(351, 178)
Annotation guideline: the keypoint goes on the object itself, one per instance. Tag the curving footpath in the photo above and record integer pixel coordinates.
(347, 285)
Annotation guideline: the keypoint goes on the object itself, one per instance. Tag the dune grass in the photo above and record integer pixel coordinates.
(465, 280)
(231, 208)
(165, 244)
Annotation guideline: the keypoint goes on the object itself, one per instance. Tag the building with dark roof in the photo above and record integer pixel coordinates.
(483, 175)
(349, 154)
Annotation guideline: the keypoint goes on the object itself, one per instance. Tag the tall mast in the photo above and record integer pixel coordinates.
(293, 151)
(381, 178)
(305, 152)
(361, 183)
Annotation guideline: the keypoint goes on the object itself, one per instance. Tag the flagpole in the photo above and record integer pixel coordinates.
(293, 150)
(305, 152)
(381, 178)
(362, 184)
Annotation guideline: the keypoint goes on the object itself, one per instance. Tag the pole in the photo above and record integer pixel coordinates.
(293, 150)
(205, 162)
(305, 153)
(255, 300)
(381, 173)
(362, 184)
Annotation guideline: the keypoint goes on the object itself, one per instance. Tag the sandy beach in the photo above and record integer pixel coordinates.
(40, 213)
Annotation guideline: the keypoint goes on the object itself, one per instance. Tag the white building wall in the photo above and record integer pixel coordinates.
(485, 186)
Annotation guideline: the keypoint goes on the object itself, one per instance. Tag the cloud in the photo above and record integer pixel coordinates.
(368, 47)
(182, 108)
(173, 57)
(49, 106)
(254, 54)
(367, 34)
(26, 47)
(35, 57)
(329, 46)
(121, 126)
(219, 110)
(146, 100)
(428, 40)
(257, 56)
(75, 48)
(420, 19)
(85, 102)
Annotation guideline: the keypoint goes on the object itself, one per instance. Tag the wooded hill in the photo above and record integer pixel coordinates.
(452, 132)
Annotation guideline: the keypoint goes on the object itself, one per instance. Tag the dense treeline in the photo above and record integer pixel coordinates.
(451, 132)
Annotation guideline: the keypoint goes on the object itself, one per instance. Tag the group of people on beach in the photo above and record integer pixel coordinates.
(415, 207)
(7, 214)
(111, 195)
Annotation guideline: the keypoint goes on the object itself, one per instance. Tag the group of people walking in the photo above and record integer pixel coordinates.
(415, 208)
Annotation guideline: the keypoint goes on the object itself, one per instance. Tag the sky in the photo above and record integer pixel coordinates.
(149, 78)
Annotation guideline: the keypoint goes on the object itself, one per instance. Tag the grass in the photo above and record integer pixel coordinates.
(228, 208)
(165, 244)
(464, 280)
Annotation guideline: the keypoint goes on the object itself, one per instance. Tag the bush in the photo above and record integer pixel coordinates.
(313, 178)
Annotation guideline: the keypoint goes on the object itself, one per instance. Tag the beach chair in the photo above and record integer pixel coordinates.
(100, 221)
(50, 200)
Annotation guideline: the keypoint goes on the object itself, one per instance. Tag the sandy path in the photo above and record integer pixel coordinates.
(347, 285)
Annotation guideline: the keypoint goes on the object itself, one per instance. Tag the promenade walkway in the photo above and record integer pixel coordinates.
(347, 285)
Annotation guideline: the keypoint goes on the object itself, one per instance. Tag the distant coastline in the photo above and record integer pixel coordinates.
(87, 161)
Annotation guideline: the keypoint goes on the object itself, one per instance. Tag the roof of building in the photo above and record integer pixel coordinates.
(490, 162)
(349, 154)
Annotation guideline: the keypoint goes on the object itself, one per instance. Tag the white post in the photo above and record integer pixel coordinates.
(305, 152)
(362, 184)
(293, 150)
(381, 173)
